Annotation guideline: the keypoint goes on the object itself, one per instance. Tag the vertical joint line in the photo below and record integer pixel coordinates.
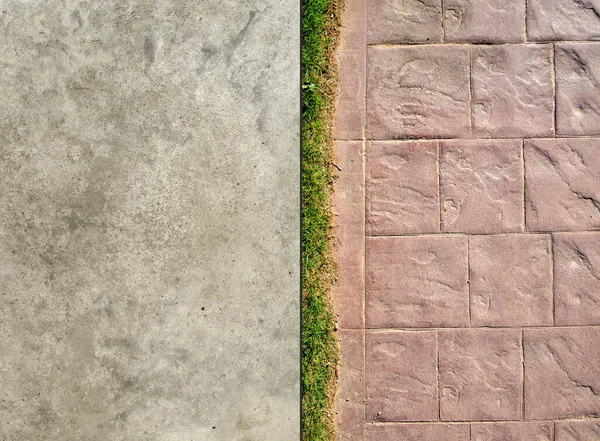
(439, 394)
(525, 21)
(469, 277)
(553, 74)
(439, 179)
(523, 374)
(524, 186)
(443, 33)
(552, 279)
(471, 103)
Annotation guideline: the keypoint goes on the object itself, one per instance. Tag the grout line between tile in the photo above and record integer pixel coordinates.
(471, 100)
(364, 242)
(442, 13)
(437, 370)
(439, 189)
(524, 187)
(525, 21)
(523, 374)
(469, 280)
(553, 76)
(457, 328)
(551, 247)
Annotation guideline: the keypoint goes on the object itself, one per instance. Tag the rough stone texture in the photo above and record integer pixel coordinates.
(578, 89)
(487, 21)
(417, 282)
(481, 186)
(562, 373)
(419, 432)
(349, 119)
(512, 91)
(405, 21)
(512, 432)
(418, 92)
(402, 188)
(401, 376)
(511, 280)
(577, 278)
(480, 374)
(350, 401)
(349, 209)
(578, 431)
(149, 217)
(553, 20)
(562, 184)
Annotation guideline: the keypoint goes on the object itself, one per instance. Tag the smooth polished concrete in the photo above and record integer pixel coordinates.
(149, 221)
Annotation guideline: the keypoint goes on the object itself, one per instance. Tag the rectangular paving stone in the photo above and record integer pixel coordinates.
(349, 118)
(350, 405)
(481, 186)
(418, 432)
(417, 281)
(401, 376)
(577, 88)
(553, 20)
(484, 21)
(562, 184)
(418, 92)
(511, 280)
(512, 91)
(512, 431)
(577, 278)
(407, 21)
(349, 231)
(480, 374)
(402, 188)
(577, 431)
(562, 373)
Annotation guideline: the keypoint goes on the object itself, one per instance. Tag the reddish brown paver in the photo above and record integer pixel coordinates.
(480, 374)
(469, 247)
(487, 21)
(481, 186)
(402, 188)
(401, 376)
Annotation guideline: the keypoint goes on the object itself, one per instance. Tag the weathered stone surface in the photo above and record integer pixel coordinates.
(512, 91)
(511, 280)
(562, 373)
(480, 374)
(417, 282)
(419, 432)
(349, 210)
(407, 21)
(578, 88)
(553, 20)
(562, 180)
(402, 188)
(512, 432)
(487, 21)
(481, 186)
(577, 278)
(418, 92)
(350, 405)
(577, 431)
(349, 119)
(401, 376)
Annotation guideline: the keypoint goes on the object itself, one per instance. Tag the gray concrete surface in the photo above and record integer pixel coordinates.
(149, 224)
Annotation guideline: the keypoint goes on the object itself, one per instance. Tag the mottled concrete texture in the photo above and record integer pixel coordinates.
(148, 219)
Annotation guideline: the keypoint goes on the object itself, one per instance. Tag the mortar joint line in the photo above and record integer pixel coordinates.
(525, 6)
(524, 187)
(439, 393)
(523, 374)
(439, 179)
(471, 100)
(553, 77)
(551, 246)
(469, 279)
(364, 195)
(443, 32)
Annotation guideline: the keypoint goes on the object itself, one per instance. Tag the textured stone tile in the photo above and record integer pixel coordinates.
(419, 432)
(481, 186)
(350, 406)
(493, 21)
(480, 374)
(577, 278)
(417, 282)
(512, 432)
(402, 188)
(562, 373)
(349, 118)
(578, 431)
(512, 91)
(511, 280)
(348, 206)
(418, 92)
(550, 20)
(407, 21)
(401, 376)
(577, 89)
(562, 180)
